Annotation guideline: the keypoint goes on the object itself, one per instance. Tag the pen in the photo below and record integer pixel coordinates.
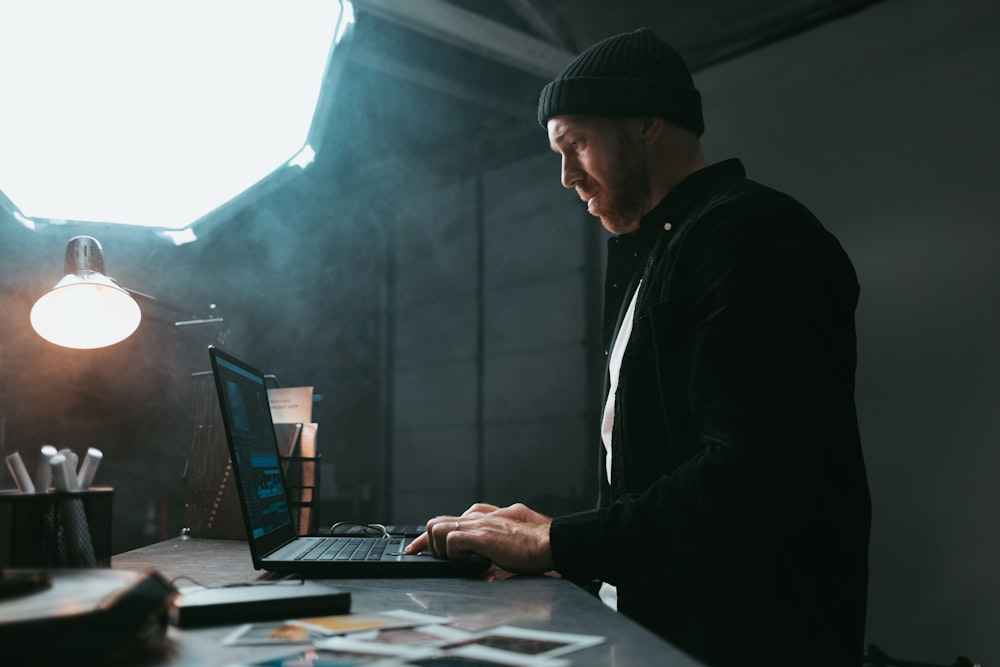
(43, 474)
(63, 478)
(88, 468)
(72, 458)
(20, 473)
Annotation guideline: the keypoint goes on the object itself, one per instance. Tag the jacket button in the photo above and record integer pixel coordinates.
(667, 227)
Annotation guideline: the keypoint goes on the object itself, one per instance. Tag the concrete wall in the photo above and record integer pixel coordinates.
(490, 356)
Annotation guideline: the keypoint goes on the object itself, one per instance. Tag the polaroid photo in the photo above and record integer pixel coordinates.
(507, 640)
(396, 641)
(280, 632)
(447, 659)
(343, 624)
(318, 658)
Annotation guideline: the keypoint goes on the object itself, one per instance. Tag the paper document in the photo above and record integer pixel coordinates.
(291, 405)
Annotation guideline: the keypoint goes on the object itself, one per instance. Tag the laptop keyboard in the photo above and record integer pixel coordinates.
(348, 548)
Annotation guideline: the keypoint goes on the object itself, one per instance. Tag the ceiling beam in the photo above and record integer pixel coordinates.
(536, 20)
(441, 84)
(473, 32)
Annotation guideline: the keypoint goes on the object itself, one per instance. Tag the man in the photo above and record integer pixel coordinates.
(734, 510)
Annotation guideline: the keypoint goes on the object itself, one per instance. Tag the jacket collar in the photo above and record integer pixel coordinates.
(671, 210)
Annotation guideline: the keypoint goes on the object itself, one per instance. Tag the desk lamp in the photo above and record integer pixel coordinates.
(86, 309)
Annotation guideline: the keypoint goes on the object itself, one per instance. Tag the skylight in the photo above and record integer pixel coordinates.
(156, 113)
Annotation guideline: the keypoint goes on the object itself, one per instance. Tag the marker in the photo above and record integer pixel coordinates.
(88, 468)
(20, 473)
(73, 459)
(43, 474)
(63, 478)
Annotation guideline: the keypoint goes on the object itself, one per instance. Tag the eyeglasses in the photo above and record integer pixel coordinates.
(362, 529)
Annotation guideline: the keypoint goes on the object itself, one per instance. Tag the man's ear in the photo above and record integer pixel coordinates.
(651, 128)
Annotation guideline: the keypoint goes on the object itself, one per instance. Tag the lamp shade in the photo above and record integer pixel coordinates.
(86, 309)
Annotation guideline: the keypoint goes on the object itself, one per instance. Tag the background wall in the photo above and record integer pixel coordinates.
(492, 353)
(447, 318)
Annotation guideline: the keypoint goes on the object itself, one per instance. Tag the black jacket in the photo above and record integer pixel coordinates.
(737, 519)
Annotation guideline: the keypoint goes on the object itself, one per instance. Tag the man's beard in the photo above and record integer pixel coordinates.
(625, 198)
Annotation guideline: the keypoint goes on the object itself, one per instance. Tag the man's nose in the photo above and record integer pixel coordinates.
(571, 173)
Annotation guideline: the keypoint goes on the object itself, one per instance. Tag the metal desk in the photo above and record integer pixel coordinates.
(476, 604)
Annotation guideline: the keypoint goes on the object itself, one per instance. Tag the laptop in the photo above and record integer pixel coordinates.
(275, 544)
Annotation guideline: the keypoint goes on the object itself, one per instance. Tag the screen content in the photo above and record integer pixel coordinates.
(255, 452)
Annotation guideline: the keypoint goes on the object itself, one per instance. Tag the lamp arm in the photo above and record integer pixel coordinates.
(166, 305)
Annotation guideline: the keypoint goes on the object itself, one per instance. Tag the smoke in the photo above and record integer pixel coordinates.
(301, 271)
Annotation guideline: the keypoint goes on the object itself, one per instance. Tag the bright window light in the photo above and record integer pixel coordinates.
(155, 113)
(180, 236)
(305, 157)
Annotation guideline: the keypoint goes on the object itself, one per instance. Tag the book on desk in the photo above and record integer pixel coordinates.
(112, 615)
(100, 613)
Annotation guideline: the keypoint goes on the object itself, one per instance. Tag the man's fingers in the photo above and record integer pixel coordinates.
(418, 544)
(515, 538)
(459, 544)
(435, 536)
(438, 530)
(480, 508)
(521, 512)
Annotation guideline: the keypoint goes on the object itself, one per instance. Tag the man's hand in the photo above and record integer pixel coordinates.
(514, 538)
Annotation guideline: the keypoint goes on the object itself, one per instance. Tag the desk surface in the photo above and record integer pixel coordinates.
(539, 603)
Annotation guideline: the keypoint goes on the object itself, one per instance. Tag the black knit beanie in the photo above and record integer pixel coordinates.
(631, 74)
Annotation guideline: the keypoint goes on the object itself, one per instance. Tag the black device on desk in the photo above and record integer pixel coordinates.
(248, 603)
(274, 543)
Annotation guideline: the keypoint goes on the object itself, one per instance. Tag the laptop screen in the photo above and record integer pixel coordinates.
(253, 448)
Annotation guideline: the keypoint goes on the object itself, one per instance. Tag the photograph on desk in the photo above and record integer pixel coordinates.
(397, 633)
(329, 658)
(348, 623)
(504, 645)
(522, 641)
(276, 632)
(307, 630)
(401, 637)
(399, 640)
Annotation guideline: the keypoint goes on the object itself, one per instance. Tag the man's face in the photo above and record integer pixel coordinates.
(607, 167)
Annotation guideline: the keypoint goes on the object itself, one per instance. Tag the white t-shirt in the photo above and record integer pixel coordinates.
(608, 593)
